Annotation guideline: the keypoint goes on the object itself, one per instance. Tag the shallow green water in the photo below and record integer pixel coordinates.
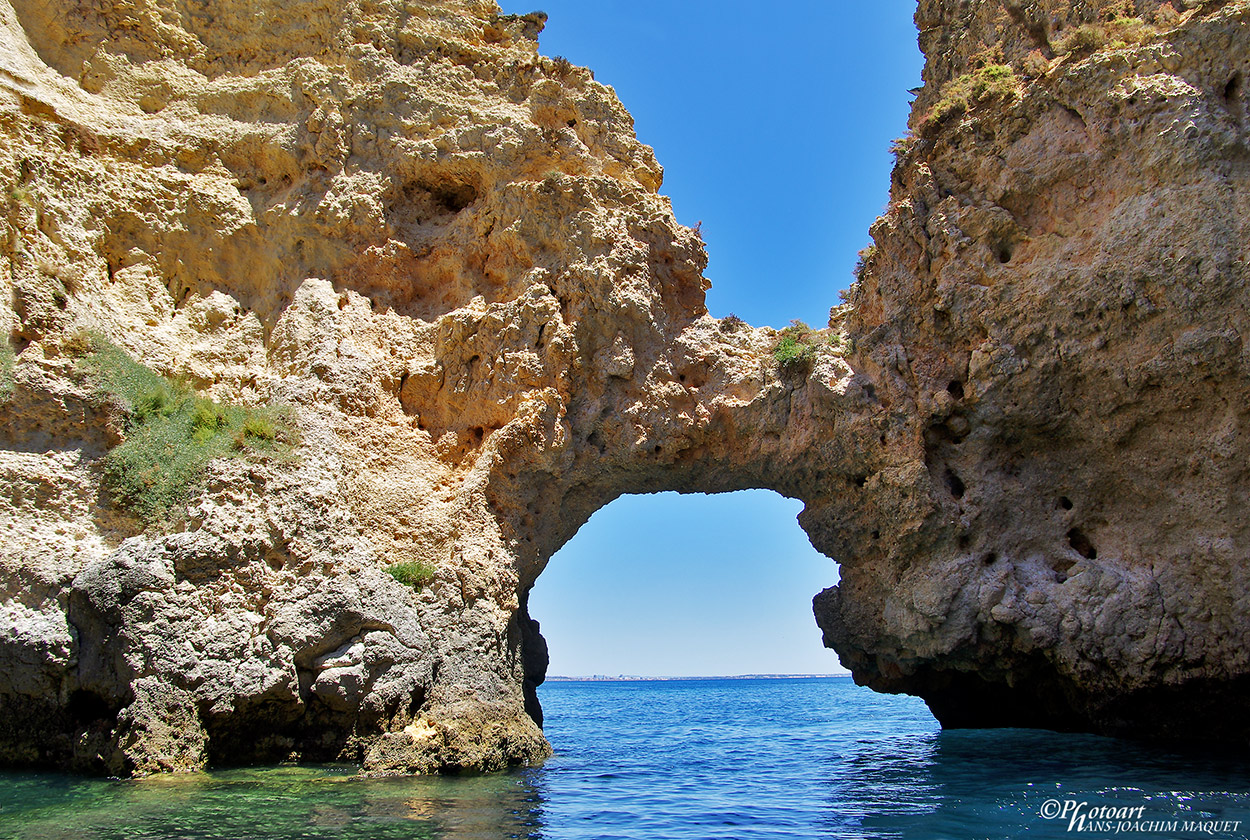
(687, 760)
(305, 802)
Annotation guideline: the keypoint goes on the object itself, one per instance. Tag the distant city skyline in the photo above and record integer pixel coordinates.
(773, 127)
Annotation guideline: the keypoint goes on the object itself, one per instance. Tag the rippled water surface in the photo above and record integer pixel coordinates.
(689, 759)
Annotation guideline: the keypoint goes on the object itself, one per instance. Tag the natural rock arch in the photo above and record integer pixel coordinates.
(670, 557)
(448, 255)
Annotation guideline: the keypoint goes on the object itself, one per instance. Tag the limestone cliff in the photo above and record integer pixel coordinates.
(446, 256)
(1053, 314)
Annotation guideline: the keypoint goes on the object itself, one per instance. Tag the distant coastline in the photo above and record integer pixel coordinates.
(635, 678)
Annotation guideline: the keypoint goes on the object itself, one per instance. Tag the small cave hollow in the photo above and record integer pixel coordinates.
(86, 707)
(454, 197)
(954, 484)
(1081, 544)
(952, 431)
(1232, 93)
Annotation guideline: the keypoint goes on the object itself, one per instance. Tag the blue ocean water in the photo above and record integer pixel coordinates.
(698, 759)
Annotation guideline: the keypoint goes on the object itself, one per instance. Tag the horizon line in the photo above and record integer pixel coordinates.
(659, 677)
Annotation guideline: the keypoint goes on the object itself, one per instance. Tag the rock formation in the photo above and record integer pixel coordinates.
(1053, 314)
(447, 257)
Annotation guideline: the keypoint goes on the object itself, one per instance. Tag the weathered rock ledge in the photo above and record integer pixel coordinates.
(448, 257)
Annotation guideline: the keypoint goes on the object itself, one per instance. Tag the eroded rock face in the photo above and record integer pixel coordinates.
(448, 256)
(1056, 309)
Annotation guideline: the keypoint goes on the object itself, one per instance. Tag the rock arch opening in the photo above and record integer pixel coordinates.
(673, 585)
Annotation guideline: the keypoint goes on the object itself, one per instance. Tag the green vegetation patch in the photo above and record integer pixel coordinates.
(8, 363)
(172, 433)
(985, 84)
(795, 349)
(412, 573)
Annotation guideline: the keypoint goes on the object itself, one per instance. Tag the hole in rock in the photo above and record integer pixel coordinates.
(672, 584)
(1232, 90)
(454, 197)
(954, 484)
(1061, 566)
(86, 707)
(990, 559)
(639, 597)
(1065, 503)
(953, 431)
(1081, 544)
(956, 389)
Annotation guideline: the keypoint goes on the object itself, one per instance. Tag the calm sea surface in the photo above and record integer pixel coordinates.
(691, 759)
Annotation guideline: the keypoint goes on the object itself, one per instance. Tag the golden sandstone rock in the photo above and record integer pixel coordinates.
(447, 256)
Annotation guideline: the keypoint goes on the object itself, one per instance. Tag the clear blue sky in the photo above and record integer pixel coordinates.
(772, 122)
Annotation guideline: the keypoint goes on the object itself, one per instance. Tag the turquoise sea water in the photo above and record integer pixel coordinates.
(692, 759)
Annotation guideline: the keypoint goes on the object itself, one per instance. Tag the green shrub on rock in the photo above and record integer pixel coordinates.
(8, 363)
(795, 351)
(993, 82)
(171, 433)
(412, 573)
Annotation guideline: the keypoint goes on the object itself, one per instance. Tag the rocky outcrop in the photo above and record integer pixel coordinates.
(447, 257)
(1054, 312)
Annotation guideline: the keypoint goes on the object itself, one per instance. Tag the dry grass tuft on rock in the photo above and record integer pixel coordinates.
(1110, 35)
(863, 262)
(561, 67)
(991, 83)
